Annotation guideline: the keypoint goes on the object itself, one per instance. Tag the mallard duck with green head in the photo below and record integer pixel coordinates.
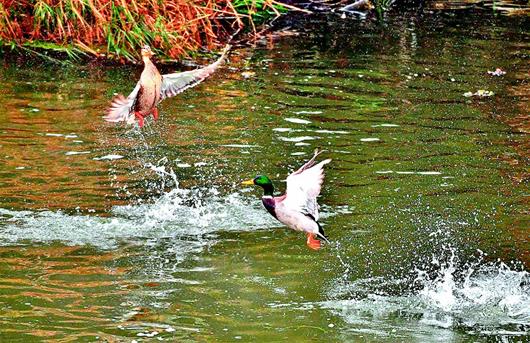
(298, 207)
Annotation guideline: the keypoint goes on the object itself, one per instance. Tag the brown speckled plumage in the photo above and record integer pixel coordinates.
(149, 92)
(153, 88)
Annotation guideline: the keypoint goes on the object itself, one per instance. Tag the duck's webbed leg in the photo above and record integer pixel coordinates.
(312, 242)
(140, 118)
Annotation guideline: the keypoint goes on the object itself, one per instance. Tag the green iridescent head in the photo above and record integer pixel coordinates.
(262, 181)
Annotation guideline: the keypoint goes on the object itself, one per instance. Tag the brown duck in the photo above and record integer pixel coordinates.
(153, 88)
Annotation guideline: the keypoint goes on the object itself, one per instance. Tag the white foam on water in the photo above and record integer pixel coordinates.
(489, 300)
(493, 299)
(72, 153)
(408, 172)
(445, 290)
(297, 120)
(162, 172)
(110, 157)
(429, 173)
(336, 132)
(297, 139)
(385, 125)
(282, 129)
(308, 112)
(239, 146)
(177, 214)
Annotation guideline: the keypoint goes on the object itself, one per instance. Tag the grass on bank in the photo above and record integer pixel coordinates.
(116, 29)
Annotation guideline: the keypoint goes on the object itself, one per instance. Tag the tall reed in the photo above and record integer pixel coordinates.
(117, 28)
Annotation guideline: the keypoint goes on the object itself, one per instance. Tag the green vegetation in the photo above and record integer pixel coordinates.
(259, 11)
(117, 29)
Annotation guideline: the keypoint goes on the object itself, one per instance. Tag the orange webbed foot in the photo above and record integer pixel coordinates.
(140, 118)
(312, 242)
(155, 113)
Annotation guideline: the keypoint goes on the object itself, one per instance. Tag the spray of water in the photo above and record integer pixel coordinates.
(448, 290)
(178, 213)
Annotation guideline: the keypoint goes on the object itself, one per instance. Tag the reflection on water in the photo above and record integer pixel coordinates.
(110, 233)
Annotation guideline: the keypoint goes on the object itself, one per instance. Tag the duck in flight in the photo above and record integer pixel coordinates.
(153, 87)
(298, 207)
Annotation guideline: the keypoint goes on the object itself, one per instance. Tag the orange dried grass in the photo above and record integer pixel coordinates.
(118, 27)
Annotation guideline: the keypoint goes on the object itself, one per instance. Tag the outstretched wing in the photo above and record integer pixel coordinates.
(173, 84)
(121, 107)
(303, 187)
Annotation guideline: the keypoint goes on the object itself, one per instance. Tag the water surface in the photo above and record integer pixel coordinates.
(114, 234)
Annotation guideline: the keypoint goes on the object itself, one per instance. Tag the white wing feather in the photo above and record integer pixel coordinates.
(172, 84)
(303, 187)
(121, 107)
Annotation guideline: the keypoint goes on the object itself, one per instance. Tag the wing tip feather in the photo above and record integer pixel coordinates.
(115, 112)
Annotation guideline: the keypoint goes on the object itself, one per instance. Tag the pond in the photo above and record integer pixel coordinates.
(109, 233)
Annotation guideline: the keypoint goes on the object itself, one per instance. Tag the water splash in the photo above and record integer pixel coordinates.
(162, 173)
(450, 292)
(490, 297)
(178, 213)
(481, 298)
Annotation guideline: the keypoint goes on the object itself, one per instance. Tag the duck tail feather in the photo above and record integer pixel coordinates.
(321, 233)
